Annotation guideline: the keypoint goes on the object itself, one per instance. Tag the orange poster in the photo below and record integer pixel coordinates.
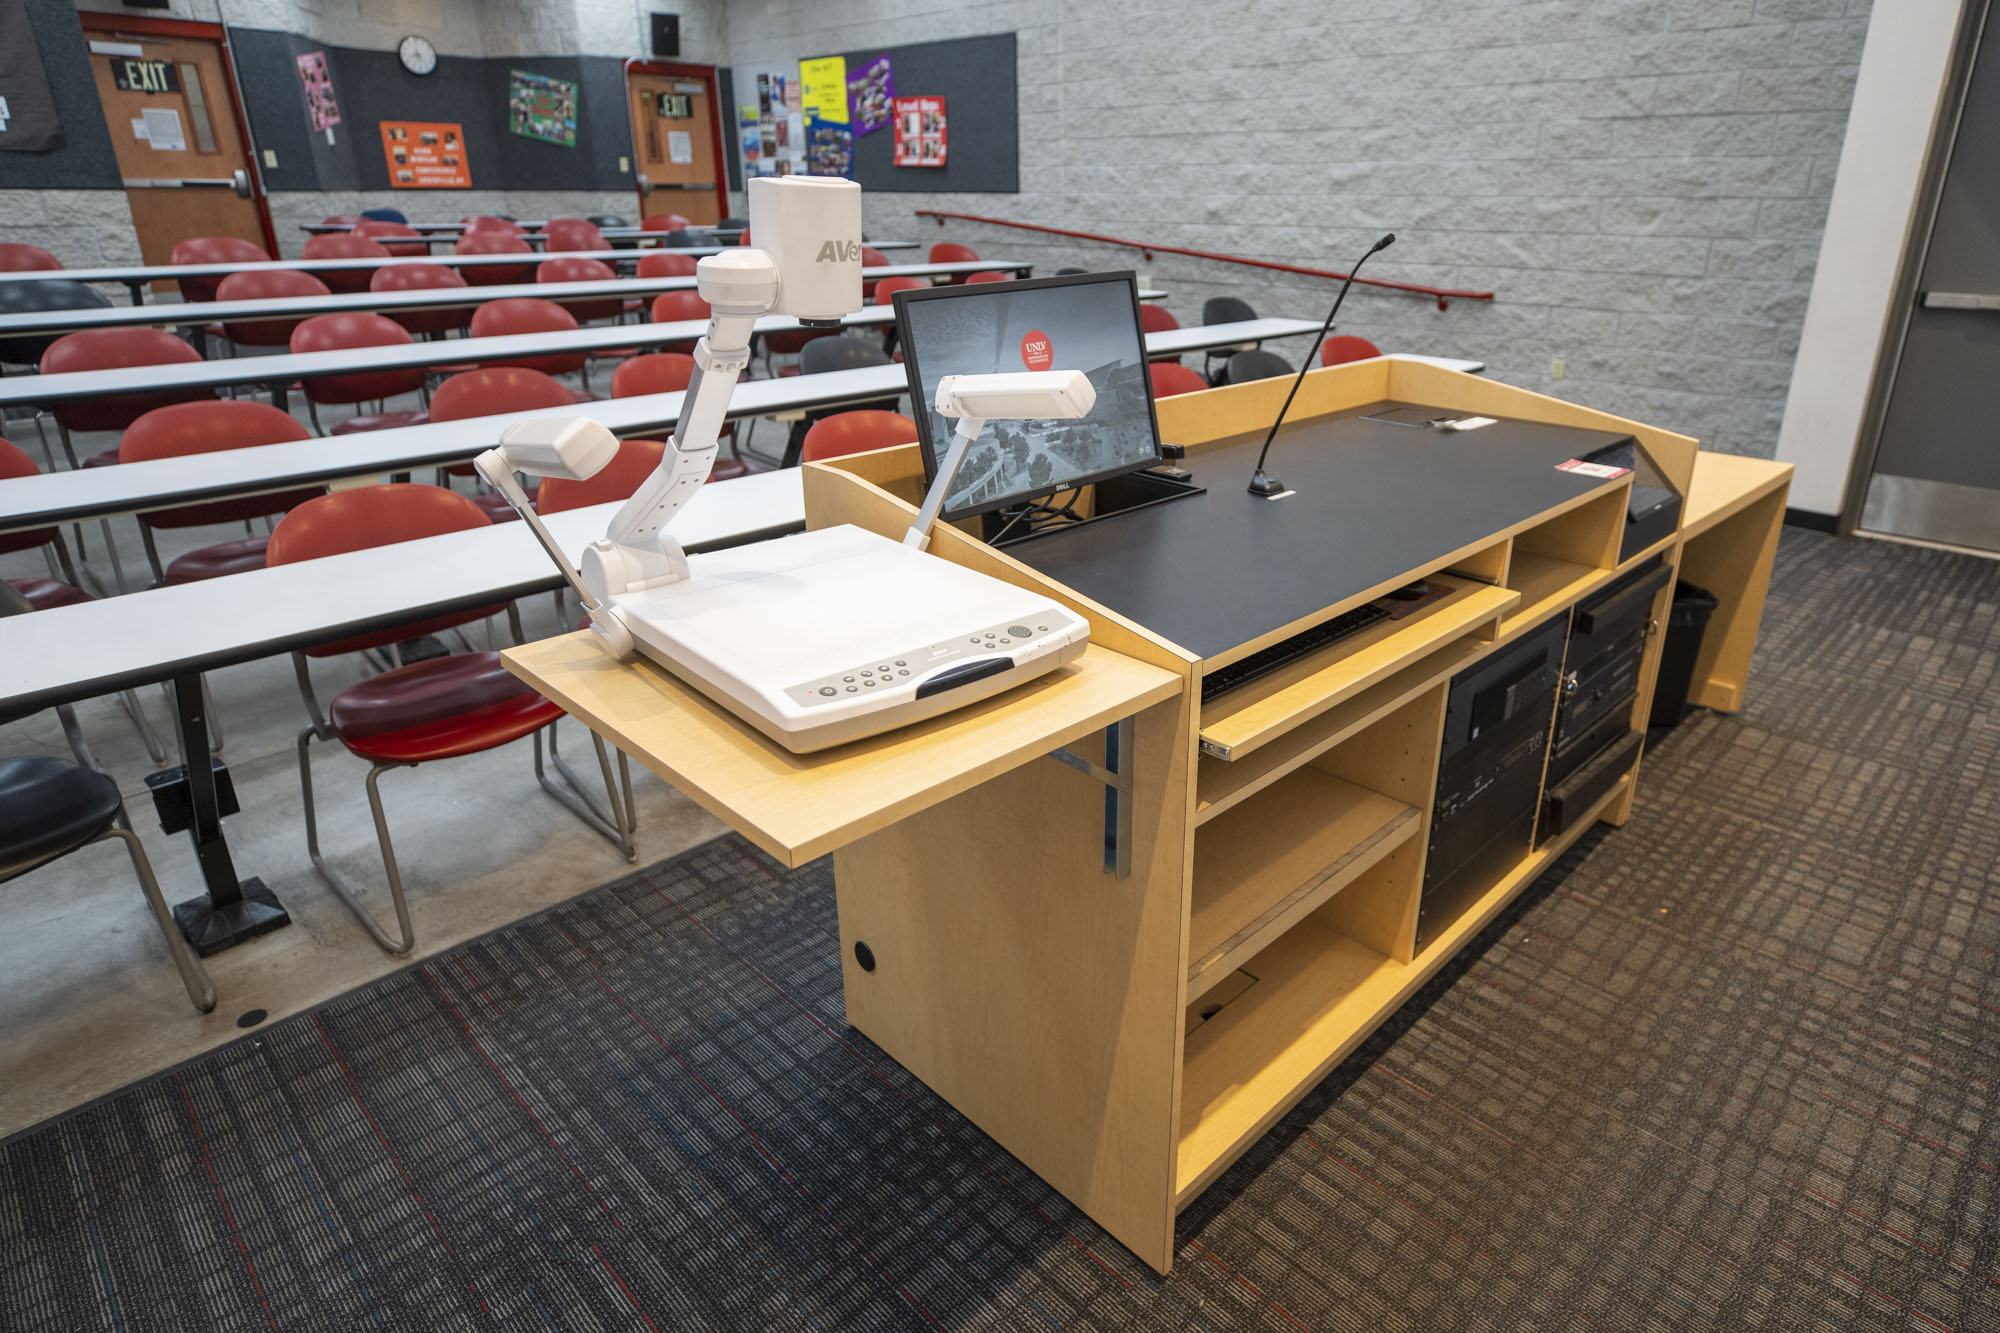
(424, 156)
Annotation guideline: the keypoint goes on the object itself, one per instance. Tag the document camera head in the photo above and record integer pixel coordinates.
(1028, 395)
(573, 448)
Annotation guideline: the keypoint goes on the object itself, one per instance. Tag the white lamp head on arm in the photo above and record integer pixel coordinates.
(1027, 395)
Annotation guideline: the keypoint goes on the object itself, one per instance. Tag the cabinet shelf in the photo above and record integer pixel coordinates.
(1313, 995)
(1546, 584)
(1263, 867)
(1239, 722)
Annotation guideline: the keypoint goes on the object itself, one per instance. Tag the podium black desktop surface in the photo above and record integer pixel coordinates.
(1218, 571)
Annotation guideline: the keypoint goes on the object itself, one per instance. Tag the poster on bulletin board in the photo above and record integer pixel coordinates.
(823, 92)
(870, 94)
(829, 148)
(920, 133)
(322, 110)
(425, 156)
(539, 107)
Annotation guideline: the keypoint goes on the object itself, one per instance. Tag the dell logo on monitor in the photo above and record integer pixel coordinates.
(838, 252)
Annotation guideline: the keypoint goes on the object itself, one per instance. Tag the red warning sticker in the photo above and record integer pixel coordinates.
(1036, 354)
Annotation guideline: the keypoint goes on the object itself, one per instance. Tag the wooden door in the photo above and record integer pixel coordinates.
(170, 106)
(676, 140)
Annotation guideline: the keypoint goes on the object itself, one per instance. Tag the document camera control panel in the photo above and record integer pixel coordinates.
(910, 669)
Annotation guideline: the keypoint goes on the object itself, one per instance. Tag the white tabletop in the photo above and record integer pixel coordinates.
(75, 652)
(284, 368)
(446, 228)
(429, 298)
(170, 272)
(37, 501)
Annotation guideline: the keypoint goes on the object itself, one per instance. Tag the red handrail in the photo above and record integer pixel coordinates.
(1443, 295)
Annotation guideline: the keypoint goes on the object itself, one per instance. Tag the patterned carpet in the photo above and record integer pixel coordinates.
(1733, 1067)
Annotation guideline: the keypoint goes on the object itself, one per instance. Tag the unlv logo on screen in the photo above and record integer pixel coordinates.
(1036, 354)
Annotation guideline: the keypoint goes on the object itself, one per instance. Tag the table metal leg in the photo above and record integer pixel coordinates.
(138, 290)
(233, 910)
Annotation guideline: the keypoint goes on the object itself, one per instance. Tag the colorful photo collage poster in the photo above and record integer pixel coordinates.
(539, 107)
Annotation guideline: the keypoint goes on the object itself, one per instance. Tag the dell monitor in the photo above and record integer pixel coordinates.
(1088, 322)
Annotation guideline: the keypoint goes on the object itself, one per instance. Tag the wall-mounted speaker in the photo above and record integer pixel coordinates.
(666, 36)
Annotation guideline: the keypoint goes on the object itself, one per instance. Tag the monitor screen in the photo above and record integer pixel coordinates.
(1087, 322)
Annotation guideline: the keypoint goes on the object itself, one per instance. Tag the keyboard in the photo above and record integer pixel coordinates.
(1286, 651)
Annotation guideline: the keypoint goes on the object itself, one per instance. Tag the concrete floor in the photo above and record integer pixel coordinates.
(89, 999)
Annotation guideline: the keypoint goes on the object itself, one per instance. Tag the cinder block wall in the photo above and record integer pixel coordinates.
(1642, 182)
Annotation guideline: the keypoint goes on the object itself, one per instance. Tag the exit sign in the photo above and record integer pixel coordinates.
(145, 76)
(675, 106)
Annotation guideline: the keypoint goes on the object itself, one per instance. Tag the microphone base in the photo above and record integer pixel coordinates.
(1266, 485)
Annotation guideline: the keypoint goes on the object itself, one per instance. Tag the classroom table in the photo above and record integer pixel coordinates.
(136, 277)
(174, 634)
(63, 497)
(278, 372)
(429, 298)
(453, 228)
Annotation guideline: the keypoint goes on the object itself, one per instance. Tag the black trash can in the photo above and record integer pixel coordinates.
(1686, 623)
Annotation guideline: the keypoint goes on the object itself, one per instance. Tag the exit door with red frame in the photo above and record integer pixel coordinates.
(677, 122)
(169, 97)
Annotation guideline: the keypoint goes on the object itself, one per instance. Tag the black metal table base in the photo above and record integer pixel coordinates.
(211, 927)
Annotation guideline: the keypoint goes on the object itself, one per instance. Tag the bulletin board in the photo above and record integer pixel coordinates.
(976, 74)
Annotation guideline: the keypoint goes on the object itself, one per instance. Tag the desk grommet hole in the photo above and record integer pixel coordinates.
(864, 955)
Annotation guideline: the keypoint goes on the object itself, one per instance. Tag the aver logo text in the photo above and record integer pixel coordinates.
(839, 252)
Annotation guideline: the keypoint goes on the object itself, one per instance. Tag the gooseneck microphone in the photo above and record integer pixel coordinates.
(1263, 483)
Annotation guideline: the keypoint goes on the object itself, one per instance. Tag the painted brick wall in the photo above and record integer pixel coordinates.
(1643, 182)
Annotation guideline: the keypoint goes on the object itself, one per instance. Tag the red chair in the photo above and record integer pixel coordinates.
(989, 275)
(888, 287)
(493, 391)
(462, 704)
(1171, 377)
(856, 433)
(212, 250)
(528, 314)
(262, 284)
(203, 428)
(15, 463)
(18, 257)
(358, 328)
(624, 474)
(489, 222)
(345, 245)
(398, 238)
(1342, 348)
(494, 242)
(340, 220)
(422, 277)
(871, 258)
(951, 252)
(572, 234)
(572, 268)
(678, 306)
(60, 588)
(669, 372)
(666, 264)
(112, 349)
(1158, 319)
(665, 222)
